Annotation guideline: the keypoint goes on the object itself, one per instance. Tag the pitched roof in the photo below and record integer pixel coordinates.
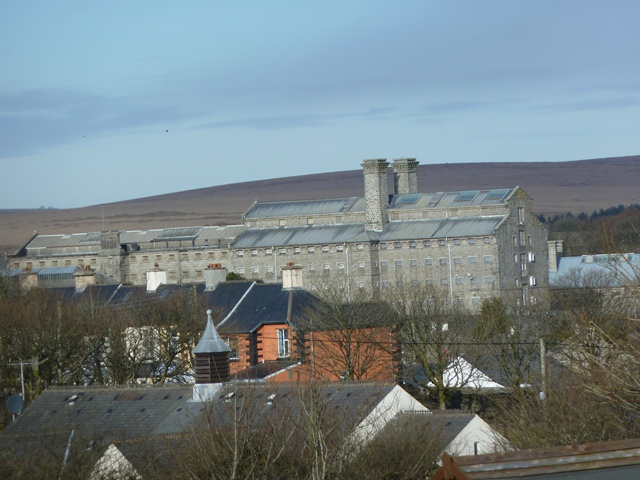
(265, 304)
(210, 342)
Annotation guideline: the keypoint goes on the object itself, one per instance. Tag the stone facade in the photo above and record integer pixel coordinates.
(472, 244)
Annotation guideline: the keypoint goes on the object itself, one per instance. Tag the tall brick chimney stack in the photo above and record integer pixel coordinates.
(405, 175)
(376, 193)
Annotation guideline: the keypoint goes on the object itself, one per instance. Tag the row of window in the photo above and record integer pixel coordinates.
(67, 262)
(440, 261)
(429, 243)
(488, 280)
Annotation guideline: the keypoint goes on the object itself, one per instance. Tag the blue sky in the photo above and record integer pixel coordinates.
(108, 101)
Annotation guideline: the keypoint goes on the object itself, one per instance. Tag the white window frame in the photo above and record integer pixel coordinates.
(283, 343)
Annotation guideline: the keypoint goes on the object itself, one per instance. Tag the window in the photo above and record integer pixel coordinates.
(457, 260)
(198, 256)
(413, 263)
(488, 259)
(282, 251)
(486, 240)
(311, 249)
(398, 263)
(360, 246)
(412, 244)
(385, 284)
(93, 261)
(442, 261)
(473, 280)
(240, 271)
(414, 283)
(532, 281)
(532, 257)
(198, 273)
(400, 283)
(384, 263)
(361, 265)
(472, 241)
(340, 266)
(456, 241)
(523, 263)
(172, 256)
(296, 250)
(429, 281)
(520, 215)
(254, 253)
(224, 254)
(488, 280)
(529, 240)
(475, 301)
(326, 266)
(255, 269)
(158, 258)
(427, 243)
(325, 249)
(312, 266)
(283, 343)
(459, 281)
(444, 281)
(522, 239)
(41, 263)
(473, 259)
(185, 256)
(310, 221)
(442, 243)
(282, 222)
(240, 253)
(269, 269)
(397, 245)
(145, 259)
(428, 262)
(209, 255)
(268, 251)
(383, 246)
(339, 248)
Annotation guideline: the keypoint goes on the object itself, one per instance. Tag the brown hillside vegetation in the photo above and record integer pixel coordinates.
(556, 187)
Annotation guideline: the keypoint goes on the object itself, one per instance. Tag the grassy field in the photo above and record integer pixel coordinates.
(556, 187)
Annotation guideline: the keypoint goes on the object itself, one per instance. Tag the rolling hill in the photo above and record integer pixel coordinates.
(556, 187)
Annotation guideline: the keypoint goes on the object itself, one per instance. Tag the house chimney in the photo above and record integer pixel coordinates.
(291, 276)
(376, 193)
(28, 279)
(155, 278)
(83, 277)
(555, 249)
(405, 175)
(213, 275)
(211, 362)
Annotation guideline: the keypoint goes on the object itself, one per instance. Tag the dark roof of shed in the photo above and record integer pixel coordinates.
(264, 369)
(596, 461)
(266, 304)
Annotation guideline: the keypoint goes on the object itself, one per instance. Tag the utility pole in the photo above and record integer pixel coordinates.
(543, 370)
(21, 364)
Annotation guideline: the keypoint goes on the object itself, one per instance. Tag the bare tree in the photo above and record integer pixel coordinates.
(350, 339)
(433, 333)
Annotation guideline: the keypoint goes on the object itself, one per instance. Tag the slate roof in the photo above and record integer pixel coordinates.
(266, 304)
(337, 206)
(441, 228)
(263, 370)
(141, 419)
(305, 207)
(447, 424)
(613, 270)
(307, 235)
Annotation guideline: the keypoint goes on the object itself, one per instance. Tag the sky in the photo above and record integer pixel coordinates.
(109, 101)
